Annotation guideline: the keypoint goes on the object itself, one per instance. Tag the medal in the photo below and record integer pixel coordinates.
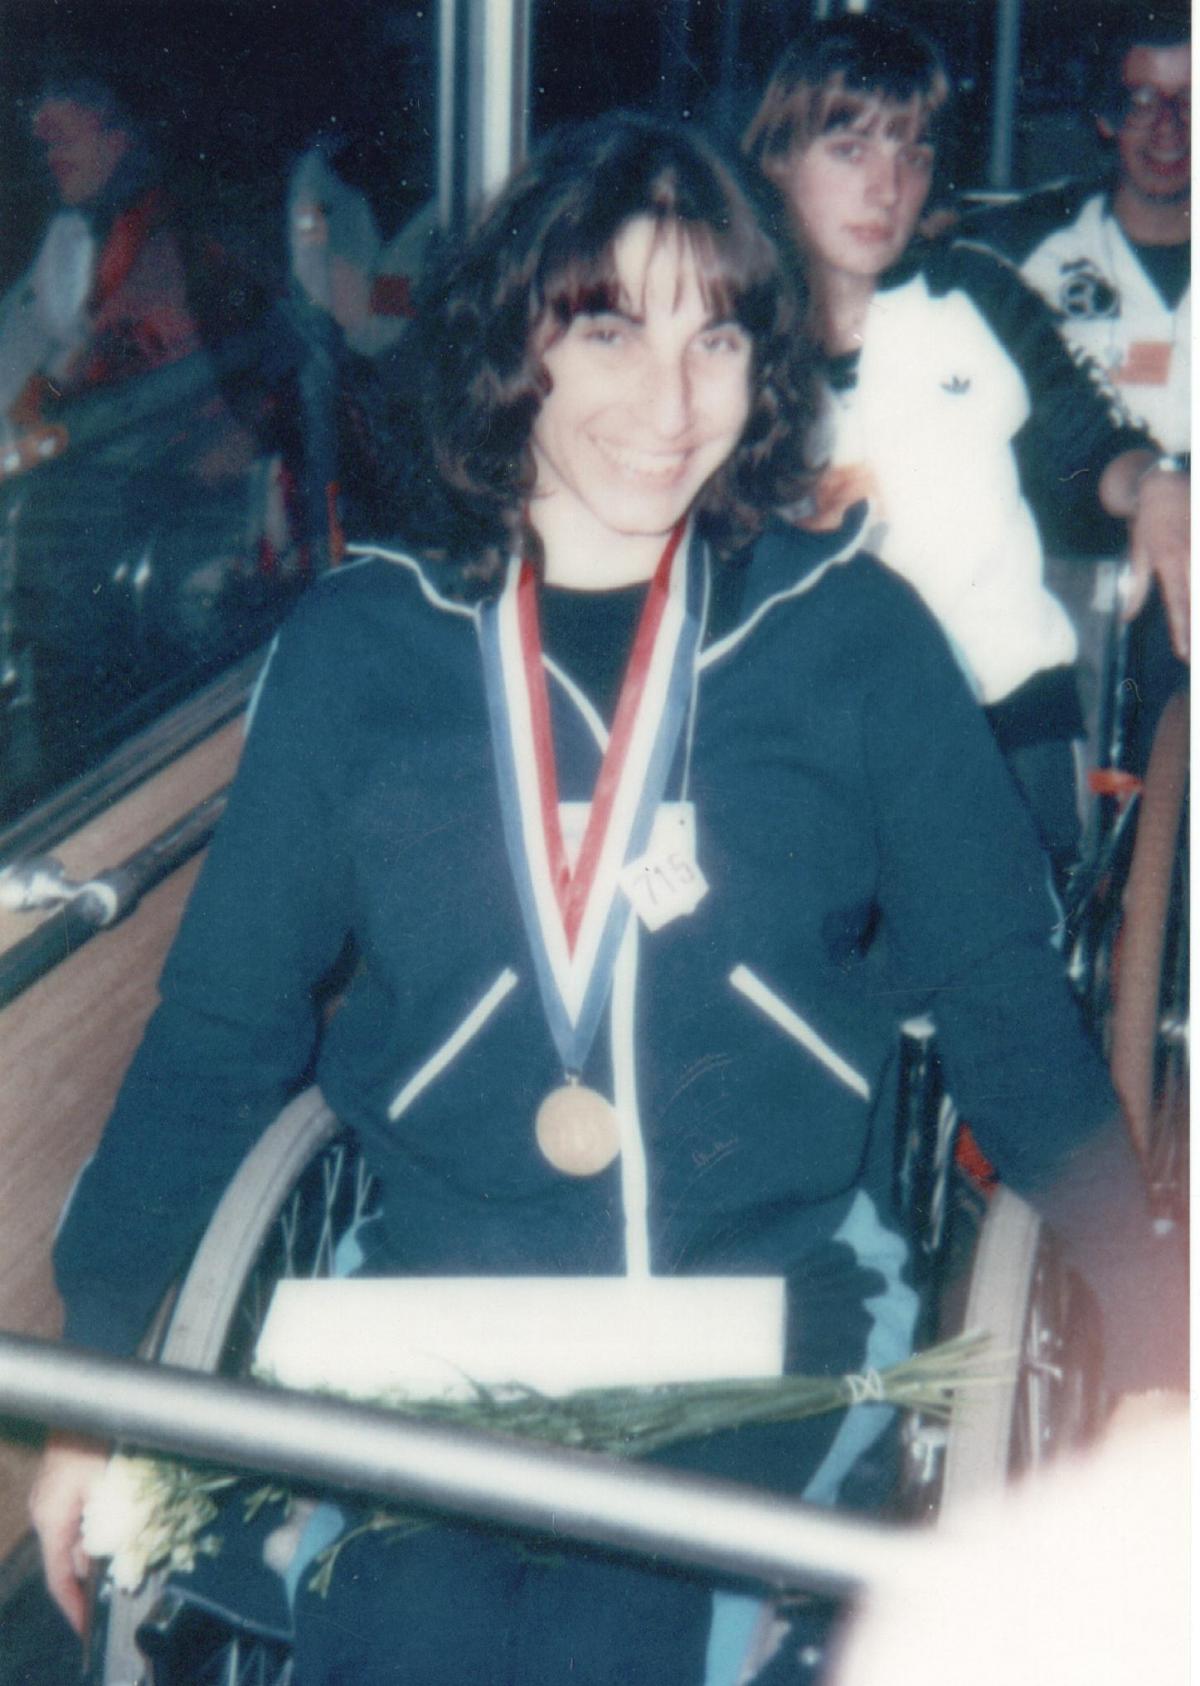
(573, 905)
(577, 1130)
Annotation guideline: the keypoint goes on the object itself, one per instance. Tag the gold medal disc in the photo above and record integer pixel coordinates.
(577, 1130)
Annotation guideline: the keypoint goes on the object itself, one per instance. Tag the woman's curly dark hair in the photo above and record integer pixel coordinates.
(542, 255)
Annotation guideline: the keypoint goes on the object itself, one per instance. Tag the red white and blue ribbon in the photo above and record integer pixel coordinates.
(575, 916)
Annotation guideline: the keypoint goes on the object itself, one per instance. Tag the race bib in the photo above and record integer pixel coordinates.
(666, 882)
(1147, 363)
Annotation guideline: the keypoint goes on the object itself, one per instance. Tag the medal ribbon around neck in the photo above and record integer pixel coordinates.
(575, 919)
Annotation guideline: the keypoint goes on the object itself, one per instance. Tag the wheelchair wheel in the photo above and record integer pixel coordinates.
(1018, 1291)
(298, 1193)
(1149, 1031)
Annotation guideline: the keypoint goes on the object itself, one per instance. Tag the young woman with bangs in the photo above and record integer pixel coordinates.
(615, 781)
(951, 406)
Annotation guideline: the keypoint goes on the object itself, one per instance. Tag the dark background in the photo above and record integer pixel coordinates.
(235, 89)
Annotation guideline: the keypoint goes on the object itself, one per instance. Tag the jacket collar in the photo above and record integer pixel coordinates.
(430, 578)
(912, 261)
(785, 562)
(782, 563)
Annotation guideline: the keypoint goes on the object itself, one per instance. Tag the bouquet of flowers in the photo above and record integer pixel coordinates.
(153, 1514)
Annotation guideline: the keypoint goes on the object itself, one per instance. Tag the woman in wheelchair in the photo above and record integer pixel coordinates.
(643, 812)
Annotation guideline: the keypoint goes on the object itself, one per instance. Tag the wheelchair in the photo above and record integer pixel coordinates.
(1126, 908)
(1149, 1009)
(304, 1190)
(1126, 938)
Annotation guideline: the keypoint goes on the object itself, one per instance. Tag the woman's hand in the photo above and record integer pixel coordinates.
(68, 1473)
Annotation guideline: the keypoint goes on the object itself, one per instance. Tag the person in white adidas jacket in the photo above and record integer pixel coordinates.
(952, 406)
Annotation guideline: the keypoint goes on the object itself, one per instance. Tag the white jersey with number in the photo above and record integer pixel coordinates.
(1074, 252)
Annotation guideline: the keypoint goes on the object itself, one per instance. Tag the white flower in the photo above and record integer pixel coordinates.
(145, 1514)
(118, 1507)
(119, 1518)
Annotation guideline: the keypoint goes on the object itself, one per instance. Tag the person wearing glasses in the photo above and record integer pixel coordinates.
(1113, 261)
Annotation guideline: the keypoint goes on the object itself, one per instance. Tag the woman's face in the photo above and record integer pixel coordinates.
(647, 400)
(856, 193)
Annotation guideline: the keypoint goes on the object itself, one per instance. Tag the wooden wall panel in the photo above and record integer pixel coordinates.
(64, 1046)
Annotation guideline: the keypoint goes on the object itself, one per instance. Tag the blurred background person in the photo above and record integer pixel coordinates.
(131, 448)
(105, 295)
(1112, 259)
(951, 405)
(358, 236)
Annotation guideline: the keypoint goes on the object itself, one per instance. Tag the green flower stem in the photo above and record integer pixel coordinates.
(624, 1421)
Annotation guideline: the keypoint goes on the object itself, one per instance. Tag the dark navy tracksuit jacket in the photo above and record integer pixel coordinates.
(865, 856)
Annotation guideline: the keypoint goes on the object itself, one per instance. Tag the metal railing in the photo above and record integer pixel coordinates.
(81, 910)
(580, 1497)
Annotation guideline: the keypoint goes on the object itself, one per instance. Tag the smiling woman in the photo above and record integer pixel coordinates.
(648, 398)
(687, 307)
(607, 778)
